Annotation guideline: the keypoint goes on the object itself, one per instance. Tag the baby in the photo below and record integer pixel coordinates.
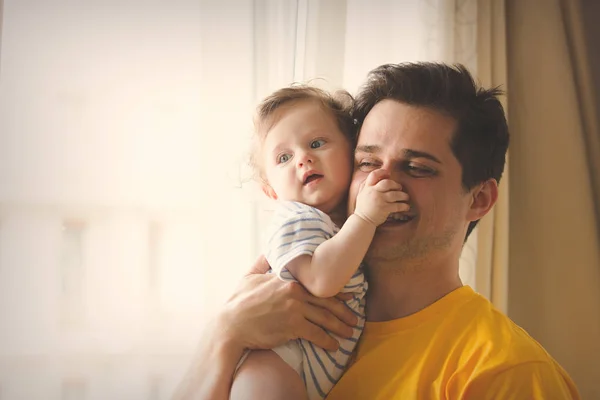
(303, 155)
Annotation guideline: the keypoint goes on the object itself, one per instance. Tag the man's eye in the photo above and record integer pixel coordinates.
(283, 158)
(315, 144)
(367, 166)
(419, 171)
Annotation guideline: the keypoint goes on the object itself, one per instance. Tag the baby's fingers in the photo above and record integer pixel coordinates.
(395, 196)
(400, 207)
(376, 177)
(385, 185)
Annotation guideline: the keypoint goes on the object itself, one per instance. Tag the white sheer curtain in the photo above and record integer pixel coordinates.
(123, 221)
(124, 216)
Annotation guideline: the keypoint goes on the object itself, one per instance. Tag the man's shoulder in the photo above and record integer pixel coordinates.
(493, 348)
(499, 337)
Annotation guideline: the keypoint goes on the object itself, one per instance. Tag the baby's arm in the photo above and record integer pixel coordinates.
(334, 261)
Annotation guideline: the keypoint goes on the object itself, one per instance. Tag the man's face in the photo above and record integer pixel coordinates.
(413, 144)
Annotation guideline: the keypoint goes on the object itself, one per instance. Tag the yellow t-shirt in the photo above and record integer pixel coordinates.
(460, 347)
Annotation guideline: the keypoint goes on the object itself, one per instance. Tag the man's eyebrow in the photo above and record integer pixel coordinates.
(408, 153)
(368, 148)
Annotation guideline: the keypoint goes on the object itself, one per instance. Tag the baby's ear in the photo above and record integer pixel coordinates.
(268, 190)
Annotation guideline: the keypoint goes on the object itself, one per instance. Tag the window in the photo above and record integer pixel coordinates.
(154, 387)
(1, 238)
(155, 238)
(72, 273)
(74, 389)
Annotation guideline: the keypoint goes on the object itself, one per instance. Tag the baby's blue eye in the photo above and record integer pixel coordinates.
(283, 158)
(315, 144)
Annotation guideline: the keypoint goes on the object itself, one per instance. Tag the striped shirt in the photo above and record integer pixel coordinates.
(295, 230)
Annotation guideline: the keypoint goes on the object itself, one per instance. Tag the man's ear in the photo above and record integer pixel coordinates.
(483, 199)
(268, 190)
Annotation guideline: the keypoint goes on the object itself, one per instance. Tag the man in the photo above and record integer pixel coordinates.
(427, 336)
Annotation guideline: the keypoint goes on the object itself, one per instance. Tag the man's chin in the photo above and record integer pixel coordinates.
(389, 246)
(387, 249)
(394, 227)
(392, 233)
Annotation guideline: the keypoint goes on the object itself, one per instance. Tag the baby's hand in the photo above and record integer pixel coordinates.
(379, 197)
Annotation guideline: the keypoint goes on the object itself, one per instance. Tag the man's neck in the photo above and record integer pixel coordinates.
(396, 292)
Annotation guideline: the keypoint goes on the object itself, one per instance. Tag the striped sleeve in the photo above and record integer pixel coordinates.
(296, 229)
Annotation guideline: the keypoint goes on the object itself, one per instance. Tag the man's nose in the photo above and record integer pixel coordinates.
(393, 173)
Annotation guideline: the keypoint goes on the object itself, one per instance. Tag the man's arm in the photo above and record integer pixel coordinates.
(211, 374)
(263, 313)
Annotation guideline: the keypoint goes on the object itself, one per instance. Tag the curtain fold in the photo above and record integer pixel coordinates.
(589, 108)
(554, 243)
(492, 244)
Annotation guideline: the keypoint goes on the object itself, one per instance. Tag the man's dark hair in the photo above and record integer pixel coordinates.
(481, 138)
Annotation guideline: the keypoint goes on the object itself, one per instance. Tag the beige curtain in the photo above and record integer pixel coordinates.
(581, 30)
(554, 245)
(492, 239)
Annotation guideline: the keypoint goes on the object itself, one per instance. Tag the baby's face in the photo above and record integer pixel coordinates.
(306, 158)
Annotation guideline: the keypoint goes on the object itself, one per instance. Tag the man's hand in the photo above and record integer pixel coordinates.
(379, 197)
(266, 312)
